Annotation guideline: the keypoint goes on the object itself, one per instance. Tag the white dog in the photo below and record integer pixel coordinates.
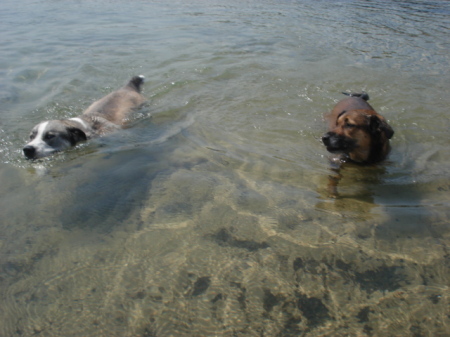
(102, 116)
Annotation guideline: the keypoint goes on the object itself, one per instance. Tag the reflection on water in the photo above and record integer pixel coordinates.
(210, 215)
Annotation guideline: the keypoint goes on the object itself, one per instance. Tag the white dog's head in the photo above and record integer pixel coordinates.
(52, 136)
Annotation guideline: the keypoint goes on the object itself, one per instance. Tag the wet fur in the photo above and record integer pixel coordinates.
(357, 132)
(103, 116)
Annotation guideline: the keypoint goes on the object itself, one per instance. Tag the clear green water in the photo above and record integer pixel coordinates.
(209, 215)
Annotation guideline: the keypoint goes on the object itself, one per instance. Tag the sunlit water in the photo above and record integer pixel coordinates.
(209, 215)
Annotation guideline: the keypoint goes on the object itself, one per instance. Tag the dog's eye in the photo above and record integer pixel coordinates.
(49, 136)
(32, 135)
(349, 125)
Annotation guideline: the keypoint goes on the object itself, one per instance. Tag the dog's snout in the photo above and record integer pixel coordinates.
(326, 139)
(338, 143)
(29, 151)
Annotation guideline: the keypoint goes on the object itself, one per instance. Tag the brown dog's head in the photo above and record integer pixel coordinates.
(361, 135)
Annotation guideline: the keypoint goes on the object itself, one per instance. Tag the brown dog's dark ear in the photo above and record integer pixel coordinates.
(76, 135)
(377, 125)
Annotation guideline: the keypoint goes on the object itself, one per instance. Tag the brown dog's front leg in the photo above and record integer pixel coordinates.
(333, 181)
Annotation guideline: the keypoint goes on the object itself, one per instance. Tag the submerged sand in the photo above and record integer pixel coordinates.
(232, 254)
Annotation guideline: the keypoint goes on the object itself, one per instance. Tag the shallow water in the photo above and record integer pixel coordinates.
(208, 215)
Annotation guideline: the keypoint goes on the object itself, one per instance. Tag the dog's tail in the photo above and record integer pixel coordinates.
(363, 95)
(136, 82)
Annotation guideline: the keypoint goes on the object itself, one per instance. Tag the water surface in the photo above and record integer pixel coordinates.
(209, 214)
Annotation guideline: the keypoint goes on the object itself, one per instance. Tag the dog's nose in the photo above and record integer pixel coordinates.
(326, 139)
(29, 151)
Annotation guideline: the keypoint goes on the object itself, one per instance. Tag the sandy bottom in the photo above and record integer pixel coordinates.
(230, 255)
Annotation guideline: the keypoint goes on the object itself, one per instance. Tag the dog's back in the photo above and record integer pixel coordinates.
(116, 106)
(355, 101)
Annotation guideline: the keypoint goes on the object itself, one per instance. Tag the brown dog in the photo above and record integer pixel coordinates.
(357, 131)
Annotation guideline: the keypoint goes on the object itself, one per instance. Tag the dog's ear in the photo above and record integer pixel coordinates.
(379, 125)
(76, 135)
